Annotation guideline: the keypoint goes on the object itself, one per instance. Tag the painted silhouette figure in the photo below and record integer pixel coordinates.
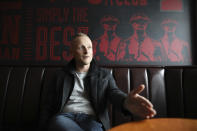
(139, 46)
(176, 50)
(106, 45)
(171, 5)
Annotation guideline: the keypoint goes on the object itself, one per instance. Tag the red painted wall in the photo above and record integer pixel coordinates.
(136, 32)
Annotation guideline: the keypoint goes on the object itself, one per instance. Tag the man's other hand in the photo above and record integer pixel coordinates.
(139, 105)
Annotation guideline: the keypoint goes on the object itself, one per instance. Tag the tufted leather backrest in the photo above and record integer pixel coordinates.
(172, 90)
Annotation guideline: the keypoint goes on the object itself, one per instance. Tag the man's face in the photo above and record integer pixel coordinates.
(82, 50)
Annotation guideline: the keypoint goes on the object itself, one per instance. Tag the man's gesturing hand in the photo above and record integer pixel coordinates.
(139, 105)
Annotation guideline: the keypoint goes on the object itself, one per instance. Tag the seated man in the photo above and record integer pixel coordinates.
(79, 95)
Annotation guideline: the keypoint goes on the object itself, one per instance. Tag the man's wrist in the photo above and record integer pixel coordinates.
(125, 108)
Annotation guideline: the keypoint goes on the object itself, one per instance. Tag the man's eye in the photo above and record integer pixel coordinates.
(80, 48)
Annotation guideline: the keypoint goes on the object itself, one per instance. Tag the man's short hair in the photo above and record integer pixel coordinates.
(79, 35)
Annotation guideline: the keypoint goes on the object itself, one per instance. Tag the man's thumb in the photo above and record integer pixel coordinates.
(138, 89)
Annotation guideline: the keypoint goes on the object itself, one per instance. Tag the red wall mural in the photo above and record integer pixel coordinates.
(122, 31)
(171, 5)
(139, 46)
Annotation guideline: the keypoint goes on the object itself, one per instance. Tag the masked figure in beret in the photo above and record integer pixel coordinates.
(139, 46)
(176, 50)
(107, 44)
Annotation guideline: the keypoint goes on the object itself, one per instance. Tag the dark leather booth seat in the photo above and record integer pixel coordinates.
(172, 90)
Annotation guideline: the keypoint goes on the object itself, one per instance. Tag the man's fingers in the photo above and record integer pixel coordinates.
(144, 101)
(138, 90)
(144, 107)
(141, 99)
(151, 112)
(147, 111)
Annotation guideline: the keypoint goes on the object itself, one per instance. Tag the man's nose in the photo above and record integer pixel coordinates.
(85, 50)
